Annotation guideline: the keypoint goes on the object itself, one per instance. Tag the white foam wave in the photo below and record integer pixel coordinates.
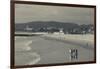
(34, 61)
(27, 45)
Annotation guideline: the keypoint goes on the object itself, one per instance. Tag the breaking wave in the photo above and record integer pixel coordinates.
(24, 54)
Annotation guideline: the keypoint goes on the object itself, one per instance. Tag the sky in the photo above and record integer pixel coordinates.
(25, 13)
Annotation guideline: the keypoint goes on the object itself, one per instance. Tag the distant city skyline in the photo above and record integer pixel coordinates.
(25, 13)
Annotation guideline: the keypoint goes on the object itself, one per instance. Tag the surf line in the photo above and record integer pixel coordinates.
(34, 61)
(27, 45)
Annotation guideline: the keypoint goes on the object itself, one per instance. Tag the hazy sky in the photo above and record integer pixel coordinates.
(26, 13)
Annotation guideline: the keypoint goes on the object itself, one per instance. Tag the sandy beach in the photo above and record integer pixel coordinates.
(43, 50)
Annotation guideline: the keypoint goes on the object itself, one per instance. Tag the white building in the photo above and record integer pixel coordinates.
(28, 28)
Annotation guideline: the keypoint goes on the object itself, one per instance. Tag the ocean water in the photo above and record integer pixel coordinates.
(23, 53)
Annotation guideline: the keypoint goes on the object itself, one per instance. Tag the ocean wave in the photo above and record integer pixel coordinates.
(36, 60)
(22, 44)
(27, 45)
(26, 58)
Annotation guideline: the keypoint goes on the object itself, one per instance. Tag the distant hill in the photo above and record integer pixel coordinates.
(54, 26)
(37, 25)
